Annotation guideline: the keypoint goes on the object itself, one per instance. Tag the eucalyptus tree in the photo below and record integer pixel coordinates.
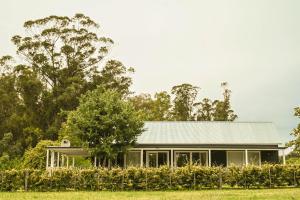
(222, 108)
(65, 54)
(296, 133)
(57, 59)
(183, 102)
(204, 110)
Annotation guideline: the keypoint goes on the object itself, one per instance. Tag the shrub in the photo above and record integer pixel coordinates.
(35, 158)
(163, 178)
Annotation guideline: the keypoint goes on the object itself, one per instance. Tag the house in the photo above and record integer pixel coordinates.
(178, 143)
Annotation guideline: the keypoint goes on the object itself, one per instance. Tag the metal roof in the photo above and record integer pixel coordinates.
(193, 132)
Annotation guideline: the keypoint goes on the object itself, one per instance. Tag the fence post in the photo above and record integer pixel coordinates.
(26, 181)
(220, 180)
(146, 180)
(1, 182)
(270, 177)
(194, 180)
(295, 183)
(122, 186)
(170, 178)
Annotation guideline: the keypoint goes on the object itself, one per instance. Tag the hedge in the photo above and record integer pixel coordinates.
(117, 179)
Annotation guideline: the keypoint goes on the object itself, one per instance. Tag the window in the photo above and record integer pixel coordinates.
(199, 158)
(182, 158)
(157, 158)
(133, 158)
(235, 158)
(191, 157)
(254, 157)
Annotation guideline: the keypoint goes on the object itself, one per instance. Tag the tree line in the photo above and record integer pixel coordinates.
(184, 106)
(60, 59)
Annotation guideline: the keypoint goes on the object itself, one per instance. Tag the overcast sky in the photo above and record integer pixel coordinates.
(254, 45)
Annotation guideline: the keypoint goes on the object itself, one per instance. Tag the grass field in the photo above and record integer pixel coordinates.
(278, 194)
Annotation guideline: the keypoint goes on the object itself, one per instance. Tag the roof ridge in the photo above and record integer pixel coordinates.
(208, 122)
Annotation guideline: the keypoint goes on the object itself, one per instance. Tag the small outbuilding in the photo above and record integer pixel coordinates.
(178, 143)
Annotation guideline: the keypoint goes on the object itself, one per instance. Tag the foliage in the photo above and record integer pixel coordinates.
(184, 105)
(296, 133)
(183, 102)
(105, 123)
(163, 178)
(112, 77)
(293, 160)
(58, 59)
(205, 110)
(222, 109)
(35, 158)
(156, 109)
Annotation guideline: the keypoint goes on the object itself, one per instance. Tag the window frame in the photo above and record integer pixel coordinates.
(259, 156)
(190, 156)
(156, 152)
(227, 157)
(126, 158)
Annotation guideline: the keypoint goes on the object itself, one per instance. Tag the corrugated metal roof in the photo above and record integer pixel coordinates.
(191, 132)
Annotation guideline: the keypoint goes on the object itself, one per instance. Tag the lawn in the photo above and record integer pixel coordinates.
(293, 193)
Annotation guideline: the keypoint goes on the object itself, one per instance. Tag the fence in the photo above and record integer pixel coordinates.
(117, 179)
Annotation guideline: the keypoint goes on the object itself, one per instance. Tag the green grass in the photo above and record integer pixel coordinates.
(279, 194)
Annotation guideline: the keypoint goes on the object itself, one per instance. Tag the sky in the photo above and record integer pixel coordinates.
(253, 45)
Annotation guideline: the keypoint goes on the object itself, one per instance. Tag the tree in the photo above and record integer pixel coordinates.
(59, 47)
(157, 109)
(59, 58)
(105, 123)
(205, 110)
(296, 133)
(222, 108)
(64, 53)
(161, 106)
(143, 103)
(183, 103)
(112, 76)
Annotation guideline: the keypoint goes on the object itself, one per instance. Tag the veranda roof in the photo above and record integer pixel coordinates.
(70, 151)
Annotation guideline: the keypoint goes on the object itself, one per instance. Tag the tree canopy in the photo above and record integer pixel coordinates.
(105, 123)
(58, 59)
(183, 105)
(296, 133)
(183, 102)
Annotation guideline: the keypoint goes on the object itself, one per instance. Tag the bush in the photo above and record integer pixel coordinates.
(163, 178)
(35, 158)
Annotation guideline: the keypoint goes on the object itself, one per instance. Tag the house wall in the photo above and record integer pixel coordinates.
(218, 156)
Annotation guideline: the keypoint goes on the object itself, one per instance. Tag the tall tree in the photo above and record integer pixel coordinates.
(222, 108)
(153, 109)
(183, 102)
(61, 47)
(296, 133)
(204, 110)
(144, 104)
(59, 58)
(105, 123)
(113, 76)
(64, 53)
(161, 106)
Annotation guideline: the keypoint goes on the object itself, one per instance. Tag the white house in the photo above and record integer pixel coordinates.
(178, 143)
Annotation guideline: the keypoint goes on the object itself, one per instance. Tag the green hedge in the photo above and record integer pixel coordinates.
(185, 178)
